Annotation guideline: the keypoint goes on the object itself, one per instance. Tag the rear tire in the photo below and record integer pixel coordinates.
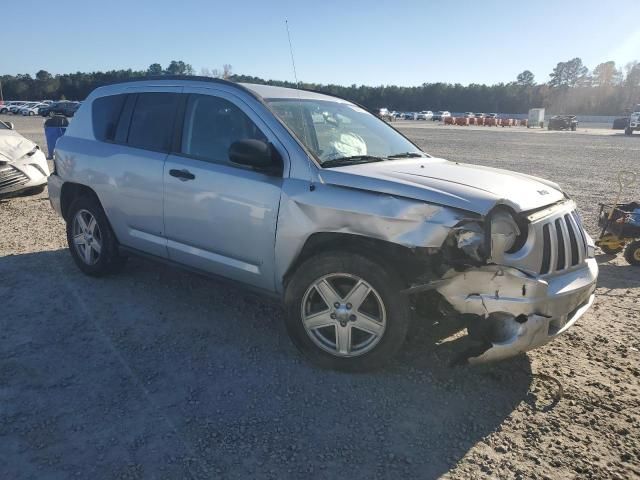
(317, 326)
(628, 131)
(632, 253)
(91, 240)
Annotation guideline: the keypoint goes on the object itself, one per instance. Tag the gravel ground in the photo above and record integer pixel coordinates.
(158, 373)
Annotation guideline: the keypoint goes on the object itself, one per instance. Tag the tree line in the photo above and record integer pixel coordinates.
(571, 88)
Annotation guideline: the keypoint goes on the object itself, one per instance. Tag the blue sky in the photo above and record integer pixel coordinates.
(345, 42)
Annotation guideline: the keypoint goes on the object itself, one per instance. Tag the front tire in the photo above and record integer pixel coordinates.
(346, 312)
(632, 253)
(92, 243)
(628, 131)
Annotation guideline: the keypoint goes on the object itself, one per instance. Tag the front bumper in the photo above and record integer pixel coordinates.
(512, 312)
(23, 174)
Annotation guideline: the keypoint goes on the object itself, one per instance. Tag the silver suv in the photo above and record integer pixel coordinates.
(314, 200)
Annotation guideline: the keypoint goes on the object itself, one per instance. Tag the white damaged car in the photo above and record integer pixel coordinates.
(23, 166)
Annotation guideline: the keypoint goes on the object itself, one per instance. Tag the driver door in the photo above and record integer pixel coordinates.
(221, 217)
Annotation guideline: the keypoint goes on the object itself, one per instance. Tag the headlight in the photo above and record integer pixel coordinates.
(501, 234)
(504, 234)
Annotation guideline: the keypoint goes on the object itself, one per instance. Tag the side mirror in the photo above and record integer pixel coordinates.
(256, 154)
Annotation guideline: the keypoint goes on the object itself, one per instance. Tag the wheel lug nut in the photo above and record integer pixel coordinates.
(333, 316)
(352, 318)
(349, 306)
(337, 305)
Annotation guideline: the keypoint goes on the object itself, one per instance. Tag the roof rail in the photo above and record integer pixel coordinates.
(192, 78)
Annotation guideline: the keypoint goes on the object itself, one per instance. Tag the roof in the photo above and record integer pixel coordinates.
(271, 92)
(263, 91)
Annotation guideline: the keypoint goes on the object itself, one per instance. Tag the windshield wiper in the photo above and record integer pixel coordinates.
(406, 155)
(352, 160)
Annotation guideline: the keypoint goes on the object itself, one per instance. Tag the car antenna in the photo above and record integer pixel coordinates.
(312, 187)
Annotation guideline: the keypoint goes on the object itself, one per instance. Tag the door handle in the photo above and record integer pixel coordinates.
(183, 175)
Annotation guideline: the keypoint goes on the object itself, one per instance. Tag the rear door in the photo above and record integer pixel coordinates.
(141, 142)
(221, 217)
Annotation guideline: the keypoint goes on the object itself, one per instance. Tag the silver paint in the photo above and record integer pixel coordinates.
(251, 227)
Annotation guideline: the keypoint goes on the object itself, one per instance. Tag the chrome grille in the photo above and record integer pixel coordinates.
(563, 243)
(10, 176)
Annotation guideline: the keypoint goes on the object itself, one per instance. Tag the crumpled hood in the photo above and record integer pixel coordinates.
(469, 187)
(13, 146)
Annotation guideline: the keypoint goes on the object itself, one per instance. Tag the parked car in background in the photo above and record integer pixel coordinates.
(31, 110)
(440, 114)
(424, 115)
(23, 166)
(63, 107)
(469, 114)
(342, 218)
(14, 108)
(563, 122)
(634, 122)
(4, 108)
(491, 115)
(409, 116)
(70, 109)
(620, 123)
(385, 114)
(480, 115)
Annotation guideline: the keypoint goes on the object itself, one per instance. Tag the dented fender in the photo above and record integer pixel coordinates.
(335, 209)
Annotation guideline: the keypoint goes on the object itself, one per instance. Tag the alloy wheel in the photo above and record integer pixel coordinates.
(343, 315)
(87, 238)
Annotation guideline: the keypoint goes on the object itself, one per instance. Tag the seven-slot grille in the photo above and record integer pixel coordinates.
(563, 243)
(10, 176)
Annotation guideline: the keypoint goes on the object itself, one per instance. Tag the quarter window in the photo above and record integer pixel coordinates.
(152, 121)
(211, 125)
(105, 113)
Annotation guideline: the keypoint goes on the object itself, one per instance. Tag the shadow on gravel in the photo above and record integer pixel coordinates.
(624, 135)
(622, 276)
(160, 373)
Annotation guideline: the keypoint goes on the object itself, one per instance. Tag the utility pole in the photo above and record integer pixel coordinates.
(1, 96)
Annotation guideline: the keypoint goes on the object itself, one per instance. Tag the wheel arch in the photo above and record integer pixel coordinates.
(69, 192)
(409, 262)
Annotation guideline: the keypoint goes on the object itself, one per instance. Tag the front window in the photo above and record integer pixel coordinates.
(341, 133)
(211, 125)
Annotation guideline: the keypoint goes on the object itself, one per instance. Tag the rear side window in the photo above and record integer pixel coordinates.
(106, 112)
(152, 121)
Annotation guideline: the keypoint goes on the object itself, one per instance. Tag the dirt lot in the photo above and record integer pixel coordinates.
(161, 373)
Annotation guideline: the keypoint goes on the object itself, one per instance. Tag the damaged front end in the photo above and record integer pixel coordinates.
(517, 280)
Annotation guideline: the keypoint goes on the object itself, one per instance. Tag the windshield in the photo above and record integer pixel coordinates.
(333, 131)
